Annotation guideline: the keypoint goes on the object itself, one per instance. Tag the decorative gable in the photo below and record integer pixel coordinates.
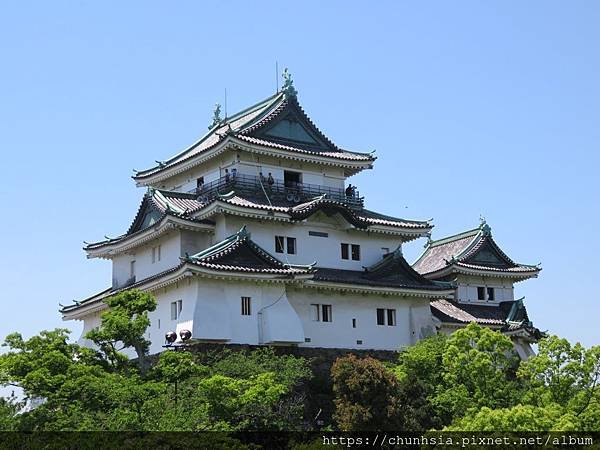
(148, 214)
(290, 129)
(488, 255)
(291, 126)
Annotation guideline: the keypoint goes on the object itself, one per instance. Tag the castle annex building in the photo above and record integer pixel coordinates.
(253, 235)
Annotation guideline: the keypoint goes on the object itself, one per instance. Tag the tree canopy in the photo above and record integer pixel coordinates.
(471, 380)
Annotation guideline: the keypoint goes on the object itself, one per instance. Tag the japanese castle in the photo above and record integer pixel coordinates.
(253, 235)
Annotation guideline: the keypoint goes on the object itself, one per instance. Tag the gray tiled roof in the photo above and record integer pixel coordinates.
(472, 250)
(247, 125)
(240, 254)
(392, 271)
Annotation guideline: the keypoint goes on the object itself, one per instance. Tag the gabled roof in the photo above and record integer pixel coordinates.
(471, 252)
(156, 208)
(392, 271)
(278, 122)
(509, 316)
(239, 253)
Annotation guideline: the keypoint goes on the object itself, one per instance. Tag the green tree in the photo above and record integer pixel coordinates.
(475, 367)
(9, 407)
(566, 375)
(366, 395)
(123, 325)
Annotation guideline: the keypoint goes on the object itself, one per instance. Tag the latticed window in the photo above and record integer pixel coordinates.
(321, 313)
(246, 306)
(389, 314)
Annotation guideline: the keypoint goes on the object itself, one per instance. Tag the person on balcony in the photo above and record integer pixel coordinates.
(227, 176)
(350, 191)
(233, 173)
(270, 180)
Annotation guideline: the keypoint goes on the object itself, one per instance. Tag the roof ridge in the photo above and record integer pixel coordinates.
(251, 108)
(212, 131)
(454, 237)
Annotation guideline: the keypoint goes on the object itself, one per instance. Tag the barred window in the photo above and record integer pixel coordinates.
(246, 306)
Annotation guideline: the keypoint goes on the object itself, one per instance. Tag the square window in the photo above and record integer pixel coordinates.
(355, 252)
(359, 341)
(246, 306)
(391, 317)
(345, 251)
(491, 294)
(380, 316)
(480, 293)
(279, 243)
(326, 313)
(291, 246)
(306, 339)
(291, 179)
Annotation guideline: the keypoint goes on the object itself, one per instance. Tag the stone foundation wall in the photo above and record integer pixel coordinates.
(318, 391)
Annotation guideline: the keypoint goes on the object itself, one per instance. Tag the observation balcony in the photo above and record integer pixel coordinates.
(280, 191)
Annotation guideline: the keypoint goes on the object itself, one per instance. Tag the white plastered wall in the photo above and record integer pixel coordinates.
(326, 251)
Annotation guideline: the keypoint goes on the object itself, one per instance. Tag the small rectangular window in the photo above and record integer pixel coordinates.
(353, 323)
(159, 252)
(326, 313)
(380, 316)
(291, 246)
(391, 317)
(153, 255)
(355, 252)
(359, 341)
(318, 234)
(491, 294)
(315, 312)
(279, 242)
(246, 302)
(306, 339)
(159, 324)
(173, 310)
(480, 293)
(345, 251)
(132, 269)
(179, 307)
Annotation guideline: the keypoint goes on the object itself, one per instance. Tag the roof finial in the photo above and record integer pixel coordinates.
(288, 85)
(216, 120)
(484, 227)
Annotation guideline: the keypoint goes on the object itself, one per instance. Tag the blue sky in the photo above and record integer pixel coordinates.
(474, 108)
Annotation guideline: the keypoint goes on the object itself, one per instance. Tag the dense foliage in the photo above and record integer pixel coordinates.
(76, 388)
(471, 380)
(474, 381)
